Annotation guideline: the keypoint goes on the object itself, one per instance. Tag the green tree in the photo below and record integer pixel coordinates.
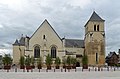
(85, 60)
(22, 61)
(39, 61)
(7, 60)
(48, 60)
(69, 60)
(32, 60)
(28, 61)
(73, 60)
(57, 61)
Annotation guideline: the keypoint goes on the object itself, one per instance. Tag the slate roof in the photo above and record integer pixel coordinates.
(20, 42)
(111, 54)
(95, 17)
(16, 42)
(74, 43)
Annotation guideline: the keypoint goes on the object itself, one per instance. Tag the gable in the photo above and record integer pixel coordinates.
(45, 31)
(46, 22)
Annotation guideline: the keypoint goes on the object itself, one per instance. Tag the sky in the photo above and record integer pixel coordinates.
(67, 17)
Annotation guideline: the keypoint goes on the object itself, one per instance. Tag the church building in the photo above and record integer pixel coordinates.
(46, 41)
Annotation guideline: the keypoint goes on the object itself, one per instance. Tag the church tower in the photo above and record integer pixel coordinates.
(95, 40)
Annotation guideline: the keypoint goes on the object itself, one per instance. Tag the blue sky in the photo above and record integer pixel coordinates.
(67, 17)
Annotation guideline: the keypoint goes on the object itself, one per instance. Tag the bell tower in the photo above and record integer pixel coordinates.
(95, 40)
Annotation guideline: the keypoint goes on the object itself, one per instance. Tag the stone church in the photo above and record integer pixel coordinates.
(45, 41)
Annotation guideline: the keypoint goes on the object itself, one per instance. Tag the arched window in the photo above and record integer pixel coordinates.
(96, 58)
(36, 52)
(97, 27)
(53, 52)
(94, 27)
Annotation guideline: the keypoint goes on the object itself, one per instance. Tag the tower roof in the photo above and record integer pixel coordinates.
(95, 17)
(16, 42)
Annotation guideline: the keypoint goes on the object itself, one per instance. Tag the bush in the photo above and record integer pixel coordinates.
(85, 60)
(28, 61)
(57, 61)
(68, 60)
(48, 60)
(7, 60)
(22, 61)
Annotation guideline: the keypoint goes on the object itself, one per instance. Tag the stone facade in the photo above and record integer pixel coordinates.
(95, 40)
(45, 41)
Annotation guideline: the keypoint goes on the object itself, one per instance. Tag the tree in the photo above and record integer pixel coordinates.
(73, 62)
(69, 60)
(28, 62)
(85, 62)
(32, 62)
(48, 61)
(39, 62)
(7, 61)
(22, 62)
(64, 62)
(57, 62)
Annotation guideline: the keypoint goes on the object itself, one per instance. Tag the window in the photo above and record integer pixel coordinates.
(78, 56)
(96, 58)
(53, 52)
(97, 27)
(43, 36)
(94, 27)
(36, 52)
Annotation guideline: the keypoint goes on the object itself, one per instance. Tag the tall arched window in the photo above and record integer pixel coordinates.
(53, 52)
(94, 27)
(97, 27)
(36, 52)
(96, 58)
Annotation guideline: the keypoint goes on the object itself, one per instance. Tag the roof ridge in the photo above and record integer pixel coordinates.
(95, 17)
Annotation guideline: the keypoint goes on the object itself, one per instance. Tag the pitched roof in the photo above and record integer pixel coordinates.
(111, 54)
(50, 27)
(95, 17)
(74, 43)
(22, 41)
(16, 42)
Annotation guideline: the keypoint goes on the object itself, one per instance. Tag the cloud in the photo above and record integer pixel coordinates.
(67, 17)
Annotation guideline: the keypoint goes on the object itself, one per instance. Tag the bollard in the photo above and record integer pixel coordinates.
(101, 69)
(95, 69)
(75, 70)
(61, 70)
(89, 69)
(31, 70)
(65, 69)
(54, 70)
(107, 68)
(98, 68)
(15, 69)
(27, 70)
(39, 70)
(82, 69)
(114, 69)
(46, 70)
(23, 70)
